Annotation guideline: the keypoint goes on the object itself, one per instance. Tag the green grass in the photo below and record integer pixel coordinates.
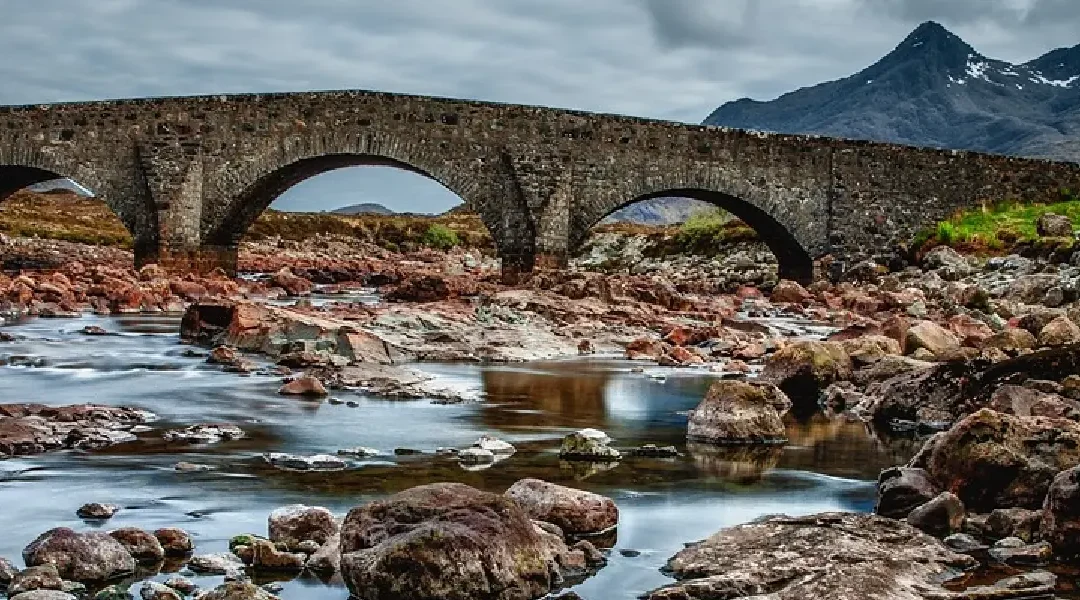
(997, 227)
(706, 232)
(440, 237)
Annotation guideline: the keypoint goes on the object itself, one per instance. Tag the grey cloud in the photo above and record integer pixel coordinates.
(678, 24)
(956, 12)
(671, 59)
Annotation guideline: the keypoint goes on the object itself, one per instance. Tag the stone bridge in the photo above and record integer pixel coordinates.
(189, 175)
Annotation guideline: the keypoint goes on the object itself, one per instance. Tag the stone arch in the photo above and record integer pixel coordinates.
(250, 189)
(22, 166)
(784, 227)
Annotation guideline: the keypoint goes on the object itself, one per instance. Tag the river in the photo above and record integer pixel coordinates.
(664, 503)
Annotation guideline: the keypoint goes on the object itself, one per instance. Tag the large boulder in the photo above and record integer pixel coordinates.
(995, 460)
(1011, 339)
(803, 369)
(448, 541)
(1028, 402)
(1061, 513)
(1059, 332)
(947, 392)
(840, 556)
(141, 545)
(940, 517)
(238, 590)
(901, 490)
(787, 291)
(174, 541)
(573, 511)
(293, 284)
(291, 525)
(949, 263)
(1030, 289)
(737, 412)
(1054, 225)
(869, 349)
(90, 556)
(934, 338)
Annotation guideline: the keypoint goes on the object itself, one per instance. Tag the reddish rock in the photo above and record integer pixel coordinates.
(293, 284)
(678, 336)
(305, 385)
(644, 348)
(787, 291)
(972, 332)
(188, 290)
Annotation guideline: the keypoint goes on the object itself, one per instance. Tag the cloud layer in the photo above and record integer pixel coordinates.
(672, 59)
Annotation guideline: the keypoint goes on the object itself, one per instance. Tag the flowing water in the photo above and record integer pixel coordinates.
(664, 503)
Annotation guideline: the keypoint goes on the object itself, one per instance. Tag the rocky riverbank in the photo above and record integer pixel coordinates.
(525, 543)
(976, 361)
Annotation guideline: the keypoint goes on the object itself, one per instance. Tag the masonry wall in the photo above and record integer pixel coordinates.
(192, 173)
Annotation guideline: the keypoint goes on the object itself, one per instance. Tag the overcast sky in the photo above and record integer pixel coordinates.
(671, 59)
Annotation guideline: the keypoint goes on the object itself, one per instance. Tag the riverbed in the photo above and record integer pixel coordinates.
(829, 464)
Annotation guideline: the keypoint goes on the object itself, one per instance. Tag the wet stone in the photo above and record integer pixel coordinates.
(155, 591)
(97, 511)
(181, 584)
(143, 546)
(113, 592)
(1032, 555)
(44, 595)
(44, 577)
(588, 445)
(175, 542)
(295, 462)
(7, 571)
(205, 434)
(297, 523)
(215, 564)
(964, 542)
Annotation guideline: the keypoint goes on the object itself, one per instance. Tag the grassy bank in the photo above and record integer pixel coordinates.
(997, 228)
(63, 215)
(394, 232)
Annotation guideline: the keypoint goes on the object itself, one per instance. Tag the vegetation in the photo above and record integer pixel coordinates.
(997, 228)
(394, 232)
(707, 232)
(62, 215)
(440, 237)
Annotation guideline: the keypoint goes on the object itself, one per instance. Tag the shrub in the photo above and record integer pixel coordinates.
(440, 237)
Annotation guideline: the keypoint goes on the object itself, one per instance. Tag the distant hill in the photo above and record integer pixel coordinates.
(367, 208)
(658, 211)
(935, 90)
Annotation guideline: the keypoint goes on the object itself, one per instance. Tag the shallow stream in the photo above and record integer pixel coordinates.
(664, 503)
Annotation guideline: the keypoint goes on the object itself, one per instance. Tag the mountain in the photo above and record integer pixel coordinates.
(363, 209)
(936, 90)
(658, 211)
